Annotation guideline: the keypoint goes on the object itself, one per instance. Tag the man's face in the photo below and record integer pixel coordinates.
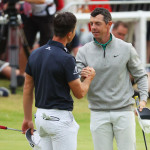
(120, 32)
(99, 28)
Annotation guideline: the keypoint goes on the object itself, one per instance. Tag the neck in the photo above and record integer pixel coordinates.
(104, 40)
(60, 40)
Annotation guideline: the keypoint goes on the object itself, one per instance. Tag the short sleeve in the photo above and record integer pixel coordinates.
(28, 69)
(71, 70)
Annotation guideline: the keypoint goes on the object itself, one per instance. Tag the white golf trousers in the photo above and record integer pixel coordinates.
(105, 125)
(57, 128)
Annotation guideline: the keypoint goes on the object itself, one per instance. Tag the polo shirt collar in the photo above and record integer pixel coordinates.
(103, 45)
(58, 44)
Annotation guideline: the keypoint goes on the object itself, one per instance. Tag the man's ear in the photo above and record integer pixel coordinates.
(69, 35)
(110, 23)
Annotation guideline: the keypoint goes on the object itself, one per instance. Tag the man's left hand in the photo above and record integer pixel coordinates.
(142, 105)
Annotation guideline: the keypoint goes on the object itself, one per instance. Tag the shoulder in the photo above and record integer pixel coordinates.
(89, 44)
(38, 49)
(61, 56)
(122, 45)
(69, 58)
(37, 53)
(121, 42)
(87, 47)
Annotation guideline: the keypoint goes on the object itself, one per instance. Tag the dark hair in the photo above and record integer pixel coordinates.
(118, 23)
(102, 11)
(64, 23)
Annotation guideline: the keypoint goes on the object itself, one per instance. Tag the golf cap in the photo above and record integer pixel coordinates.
(144, 119)
(34, 140)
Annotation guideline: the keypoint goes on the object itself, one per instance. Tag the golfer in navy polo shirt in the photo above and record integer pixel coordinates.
(52, 71)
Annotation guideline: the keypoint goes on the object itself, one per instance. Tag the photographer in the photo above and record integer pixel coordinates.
(8, 25)
(38, 17)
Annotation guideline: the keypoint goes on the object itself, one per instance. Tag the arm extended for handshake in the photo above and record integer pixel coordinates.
(79, 88)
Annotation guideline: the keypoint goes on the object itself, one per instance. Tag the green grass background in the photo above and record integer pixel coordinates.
(11, 115)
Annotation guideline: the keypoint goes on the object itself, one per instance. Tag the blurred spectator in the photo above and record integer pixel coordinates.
(5, 56)
(5, 70)
(123, 30)
(3, 33)
(120, 30)
(84, 33)
(74, 45)
(38, 17)
(3, 42)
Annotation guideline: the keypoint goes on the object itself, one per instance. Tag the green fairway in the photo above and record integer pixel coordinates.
(11, 115)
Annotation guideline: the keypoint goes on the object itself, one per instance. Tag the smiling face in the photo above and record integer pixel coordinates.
(99, 29)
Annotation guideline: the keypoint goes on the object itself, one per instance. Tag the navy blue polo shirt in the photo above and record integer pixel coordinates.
(52, 67)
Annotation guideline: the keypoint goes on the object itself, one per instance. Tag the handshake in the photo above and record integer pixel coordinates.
(88, 72)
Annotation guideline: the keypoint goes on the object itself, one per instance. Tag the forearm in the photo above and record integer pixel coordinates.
(142, 85)
(79, 88)
(28, 97)
(27, 105)
(85, 86)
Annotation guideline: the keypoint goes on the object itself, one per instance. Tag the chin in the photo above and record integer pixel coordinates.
(96, 36)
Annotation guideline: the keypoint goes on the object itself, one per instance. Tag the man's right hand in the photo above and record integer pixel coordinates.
(79, 88)
(88, 72)
(26, 125)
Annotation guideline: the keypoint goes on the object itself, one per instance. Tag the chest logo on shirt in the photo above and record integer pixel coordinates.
(48, 48)
(116, 55)
(75, 70)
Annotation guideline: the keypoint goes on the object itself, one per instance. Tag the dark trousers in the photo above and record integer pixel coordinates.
(42, 24)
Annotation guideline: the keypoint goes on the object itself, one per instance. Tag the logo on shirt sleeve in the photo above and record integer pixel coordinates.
(75, 70)
(48, 48)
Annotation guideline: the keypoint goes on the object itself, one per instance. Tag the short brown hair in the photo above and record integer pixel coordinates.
(118, 23)
(64, 23)
(102, 11)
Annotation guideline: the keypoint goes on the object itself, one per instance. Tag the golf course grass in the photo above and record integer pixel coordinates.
(11, 115)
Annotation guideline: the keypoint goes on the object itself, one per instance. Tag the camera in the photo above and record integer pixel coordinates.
(11, 11)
